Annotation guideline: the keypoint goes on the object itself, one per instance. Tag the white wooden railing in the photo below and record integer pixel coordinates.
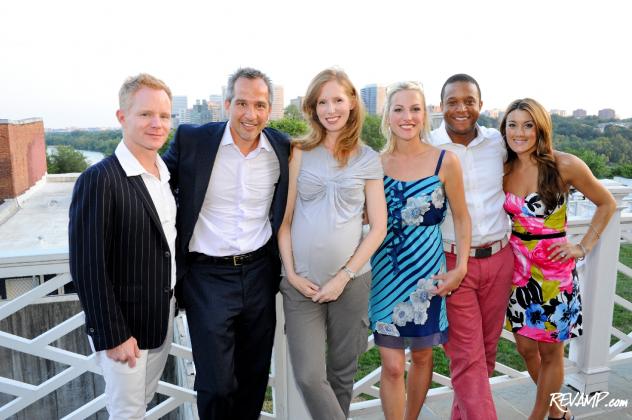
(587, 368)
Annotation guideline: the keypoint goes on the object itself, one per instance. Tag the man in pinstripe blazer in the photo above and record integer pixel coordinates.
(231, 181)
(122, 245)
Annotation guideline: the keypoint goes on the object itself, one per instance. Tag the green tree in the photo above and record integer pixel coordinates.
(98, 141)
(66, 159)
(292, 112)
(290, 126)
(624, 170)
(371, 134)
(165, 146)
(597, 163)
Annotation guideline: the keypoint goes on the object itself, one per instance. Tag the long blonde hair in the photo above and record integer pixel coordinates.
(349, 138)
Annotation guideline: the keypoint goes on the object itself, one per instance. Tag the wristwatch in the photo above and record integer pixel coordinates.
(349, 272)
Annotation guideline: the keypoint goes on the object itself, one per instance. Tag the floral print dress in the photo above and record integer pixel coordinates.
(545, 303)
(403, 308)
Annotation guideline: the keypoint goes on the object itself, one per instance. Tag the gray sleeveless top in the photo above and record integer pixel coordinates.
(327, 223)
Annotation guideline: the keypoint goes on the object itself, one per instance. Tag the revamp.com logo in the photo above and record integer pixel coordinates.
(565, 400)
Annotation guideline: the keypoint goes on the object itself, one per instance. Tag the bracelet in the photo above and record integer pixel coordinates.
(583, 248)
(350, 273)
(594, 230)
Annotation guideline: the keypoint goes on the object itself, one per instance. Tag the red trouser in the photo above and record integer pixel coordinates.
(476, 312)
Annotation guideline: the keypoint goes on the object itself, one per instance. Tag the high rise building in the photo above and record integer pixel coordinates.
(178, 104)
(297, 102)
(184, 117)
(579, 113)
(216, 106)
(200, 114)
(223, 113)
(606, 114)
(373, 97)
(276, 113)
(560, 112)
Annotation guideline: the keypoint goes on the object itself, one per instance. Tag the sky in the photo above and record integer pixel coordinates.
(64, 61)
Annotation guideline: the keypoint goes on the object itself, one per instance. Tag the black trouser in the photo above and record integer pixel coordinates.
(231, 316)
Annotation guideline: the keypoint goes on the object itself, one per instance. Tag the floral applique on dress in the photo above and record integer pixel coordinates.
(403, 302)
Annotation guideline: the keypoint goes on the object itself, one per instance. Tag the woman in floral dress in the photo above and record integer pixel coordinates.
(545, 304)
(407, 304)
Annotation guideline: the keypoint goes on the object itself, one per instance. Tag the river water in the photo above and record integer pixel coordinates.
(91, 157)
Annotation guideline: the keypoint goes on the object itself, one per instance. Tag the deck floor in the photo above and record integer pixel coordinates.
(515, 402)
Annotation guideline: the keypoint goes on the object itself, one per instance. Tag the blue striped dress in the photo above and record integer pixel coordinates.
(403, 309)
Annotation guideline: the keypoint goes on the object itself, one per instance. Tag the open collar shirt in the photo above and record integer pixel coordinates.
(235, 215)
(482, 163)
(160, 193)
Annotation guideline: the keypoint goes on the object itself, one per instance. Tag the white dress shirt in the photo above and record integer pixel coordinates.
(160, 193)
(482, 163)
(235, 215)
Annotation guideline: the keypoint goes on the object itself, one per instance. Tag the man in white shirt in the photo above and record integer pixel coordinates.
(122, 251)
(231, 180)
(476, 310)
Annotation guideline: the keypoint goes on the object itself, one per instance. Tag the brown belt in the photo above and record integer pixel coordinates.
(483, 251)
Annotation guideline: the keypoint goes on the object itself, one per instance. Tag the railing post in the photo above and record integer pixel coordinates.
(598, 283)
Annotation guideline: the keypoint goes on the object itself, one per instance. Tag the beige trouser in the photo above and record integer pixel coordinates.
(129, 390)
(325, 340)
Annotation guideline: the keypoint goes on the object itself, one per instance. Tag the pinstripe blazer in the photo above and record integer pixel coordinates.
(119, 258)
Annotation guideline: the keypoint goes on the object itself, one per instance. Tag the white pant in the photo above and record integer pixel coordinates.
(129, 390)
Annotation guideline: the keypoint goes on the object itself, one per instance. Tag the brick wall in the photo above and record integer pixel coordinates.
(22, 156)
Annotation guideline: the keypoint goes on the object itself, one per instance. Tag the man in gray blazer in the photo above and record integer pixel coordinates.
(122, 246)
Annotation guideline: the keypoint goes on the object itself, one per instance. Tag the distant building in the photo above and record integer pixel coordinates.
(297, 102)
(199, 113)
(433, 108)
(606, 114)
(579, 113)
(373, 97)
(559, 112)
(602, 126)
(493, 113)
(223, 113)
(184, 117)
(22, 156)
(178, 104)
(216, 106)
(278, 105)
